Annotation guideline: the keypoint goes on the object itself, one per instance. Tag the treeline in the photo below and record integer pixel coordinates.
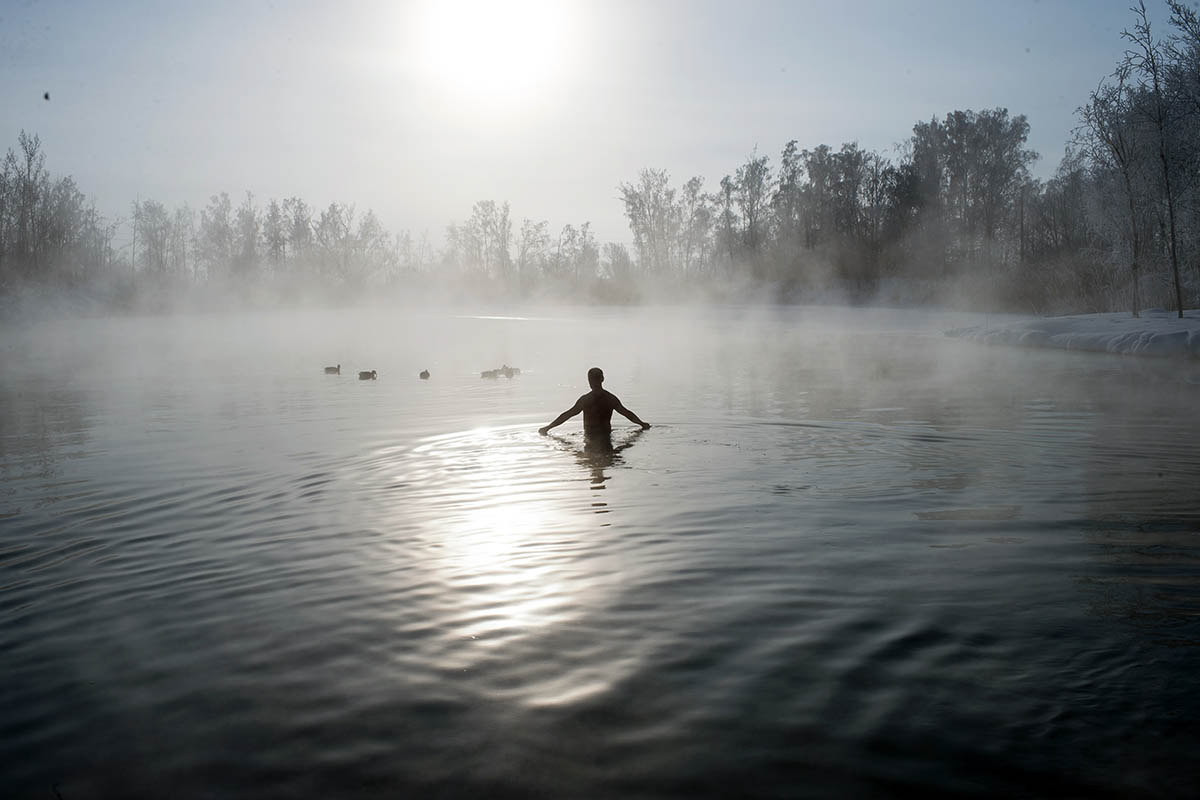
(847, 220)
(285, 247)
(951, 216)
(1137, 165)
(956, 215)
(49, 233)
(51, 236)
(486, 253)
(285, 250)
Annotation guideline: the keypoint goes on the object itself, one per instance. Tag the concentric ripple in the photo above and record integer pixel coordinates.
(862, 562)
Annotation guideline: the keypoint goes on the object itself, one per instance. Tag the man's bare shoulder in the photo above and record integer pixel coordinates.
(598, 398)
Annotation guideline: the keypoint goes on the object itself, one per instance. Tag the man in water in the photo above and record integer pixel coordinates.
(597, 407)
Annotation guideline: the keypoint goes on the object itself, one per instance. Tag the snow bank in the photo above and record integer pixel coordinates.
(1155, 333)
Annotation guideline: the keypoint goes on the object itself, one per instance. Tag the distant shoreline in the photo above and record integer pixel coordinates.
(1156, 332)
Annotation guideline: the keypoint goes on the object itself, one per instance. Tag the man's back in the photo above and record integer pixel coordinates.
(598, 406)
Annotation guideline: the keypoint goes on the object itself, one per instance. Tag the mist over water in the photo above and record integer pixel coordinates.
(287, 527)
(851, 558)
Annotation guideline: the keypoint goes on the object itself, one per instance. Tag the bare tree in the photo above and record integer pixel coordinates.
(487, 238)
(877, 187)
(753, 181)
(1146, 57)
(247, 228)
(653, 220)
(152, 225)
(274, 234)
(1108, 138)
(532, 247)
(333, 236)
(617, 262)
(695, 215)
(214, 240)
(726, 215)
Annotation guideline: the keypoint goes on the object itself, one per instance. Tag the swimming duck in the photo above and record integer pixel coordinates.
(490, 373)
(367, 376)
(424, 375)
(334, 370)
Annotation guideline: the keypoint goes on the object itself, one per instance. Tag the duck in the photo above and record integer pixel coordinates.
(334, 370)
(424, 375)
(504, 370)
(367, 376)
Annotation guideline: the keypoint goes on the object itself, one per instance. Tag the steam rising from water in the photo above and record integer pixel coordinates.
(913, 553)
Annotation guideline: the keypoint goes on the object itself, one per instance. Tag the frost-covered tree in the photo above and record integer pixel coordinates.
(695, 214)
(1109, 137)
(653, 220)
(1145, 59)
(247, 232)
(153, 229)
(274, 234)
(533, 245)
(487, 238)
(214, 240)
(753, 195)
(333, 243)
(617, 263)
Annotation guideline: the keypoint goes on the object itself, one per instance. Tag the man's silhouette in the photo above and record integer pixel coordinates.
(597, 407)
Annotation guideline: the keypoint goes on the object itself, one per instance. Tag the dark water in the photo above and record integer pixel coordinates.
(852, 558)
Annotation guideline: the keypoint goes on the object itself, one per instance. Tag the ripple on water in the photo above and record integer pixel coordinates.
(836, 574)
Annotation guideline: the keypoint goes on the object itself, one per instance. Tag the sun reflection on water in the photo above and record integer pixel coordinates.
(505, 535)
(513, 561)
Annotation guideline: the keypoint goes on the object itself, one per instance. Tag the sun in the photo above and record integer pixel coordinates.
(494, 53)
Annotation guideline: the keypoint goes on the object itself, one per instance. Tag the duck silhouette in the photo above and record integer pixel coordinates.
(367, 376)
(504, 370)
(334, 370)
(424, 375)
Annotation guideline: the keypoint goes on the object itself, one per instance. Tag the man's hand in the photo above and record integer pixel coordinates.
(645, 426)
(545, 430)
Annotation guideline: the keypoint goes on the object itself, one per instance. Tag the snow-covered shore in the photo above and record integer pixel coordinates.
(1155, 333)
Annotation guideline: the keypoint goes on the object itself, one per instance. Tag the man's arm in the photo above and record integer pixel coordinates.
(563, 417)
(629, 415)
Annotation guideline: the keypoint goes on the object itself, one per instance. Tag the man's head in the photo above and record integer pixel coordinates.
(595, 377)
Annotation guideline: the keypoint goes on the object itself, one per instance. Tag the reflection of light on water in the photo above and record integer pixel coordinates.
(501, 535)
(493, 533)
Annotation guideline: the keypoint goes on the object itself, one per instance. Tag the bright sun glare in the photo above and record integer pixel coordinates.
(494, 52)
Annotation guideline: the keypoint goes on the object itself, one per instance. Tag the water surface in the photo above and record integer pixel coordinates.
(851, 558)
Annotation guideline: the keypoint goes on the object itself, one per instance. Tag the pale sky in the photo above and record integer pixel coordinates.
(418, 110)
